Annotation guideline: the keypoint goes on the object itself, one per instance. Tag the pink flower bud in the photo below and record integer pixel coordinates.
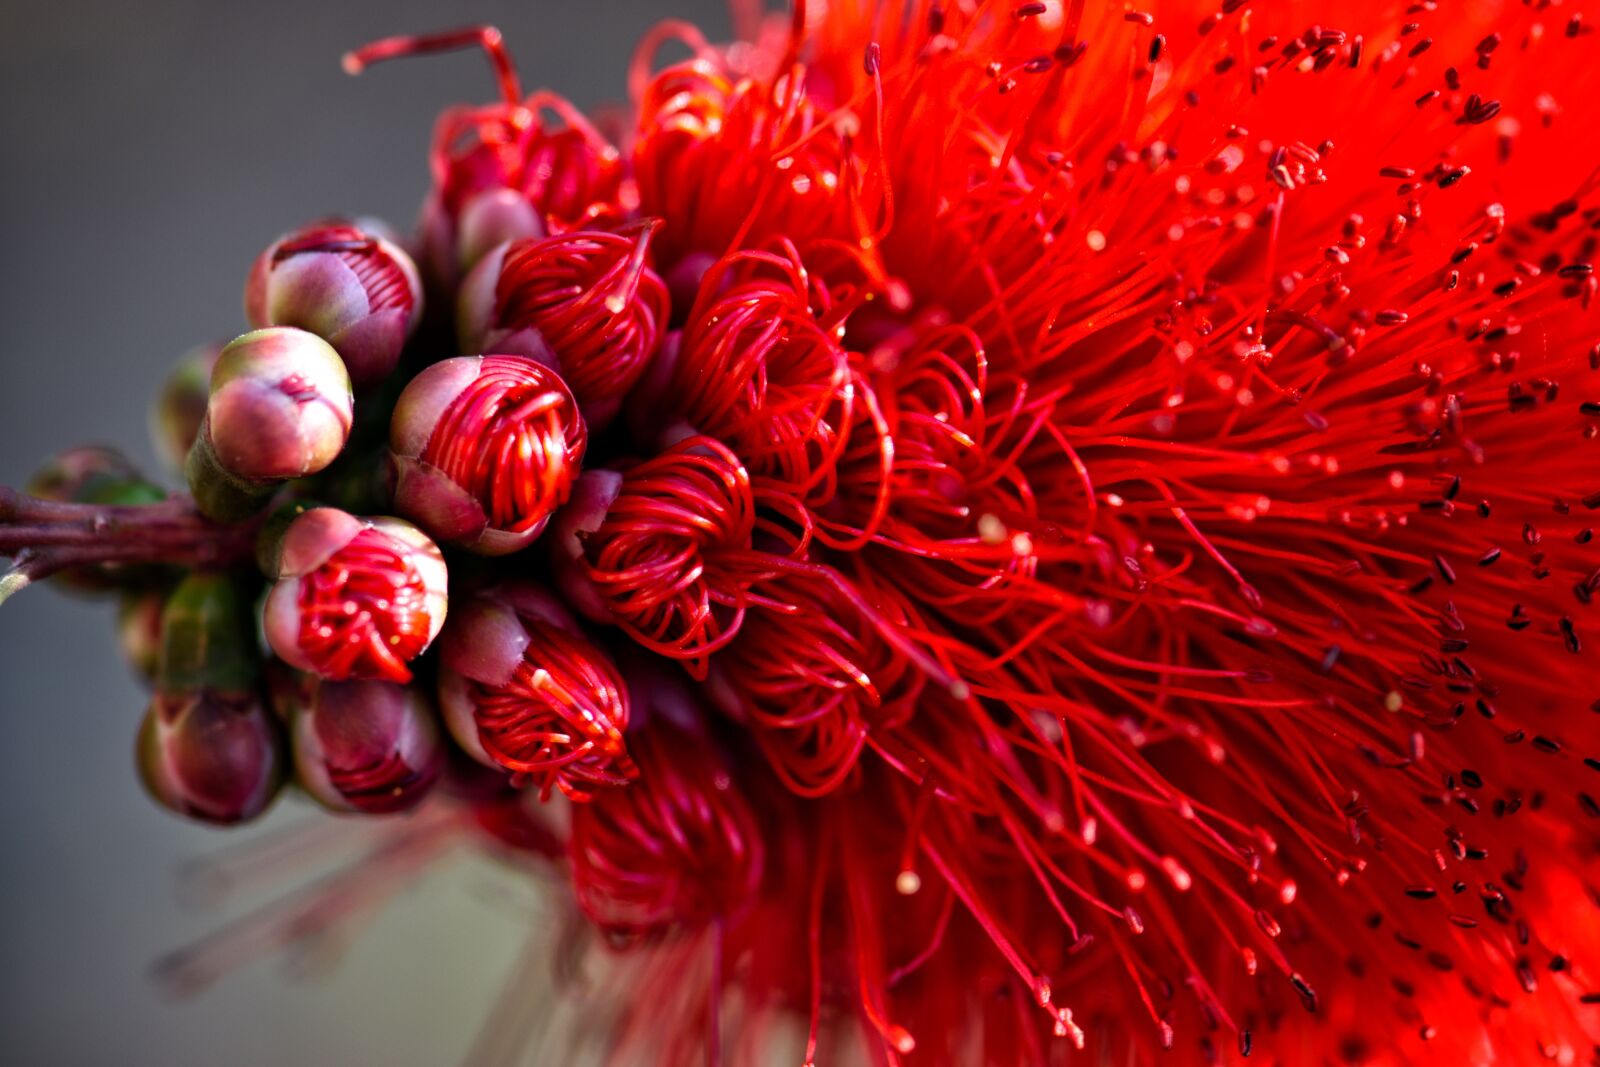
(371, 747)
(522, 689)
(352, 288)
(280, 406)
(492, 218)
(485, 449)
(180, 407)
(355, 598)
(139, 631)
(93, 474)
(210, 755)
(584, 301)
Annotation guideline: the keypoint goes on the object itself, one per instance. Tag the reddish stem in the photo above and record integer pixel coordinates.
(42, 537)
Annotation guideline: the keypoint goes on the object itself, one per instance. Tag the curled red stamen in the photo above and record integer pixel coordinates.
(486, 37)
(673, 559)
(364, 613)
(677, 848)
(513, 439)
(759, 371)
(593, 301)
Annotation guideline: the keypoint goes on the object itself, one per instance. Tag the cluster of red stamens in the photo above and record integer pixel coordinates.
(593, 302)
(673, 559)
(559, 719)
(364, 612)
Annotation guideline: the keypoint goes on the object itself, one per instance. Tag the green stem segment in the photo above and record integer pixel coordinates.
(218, 493)
(207, 638)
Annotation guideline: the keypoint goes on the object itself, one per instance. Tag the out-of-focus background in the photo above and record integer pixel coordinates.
(147, 152)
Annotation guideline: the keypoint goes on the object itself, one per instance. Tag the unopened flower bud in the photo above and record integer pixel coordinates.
(584, 302)
(207, 748)
(180, 407)
(279, 408)
(523, 689)
(93, 474)
(492, 218)
(211, 755)
(355, 598)
(485, 448)
(371, 747)
(139, 631)
(349, 286)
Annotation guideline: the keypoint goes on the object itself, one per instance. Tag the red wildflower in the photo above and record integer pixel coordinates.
(1116, 489)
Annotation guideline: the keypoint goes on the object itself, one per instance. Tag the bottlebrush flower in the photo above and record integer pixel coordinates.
(1186, 497)
(485, 448)
(1120, 486)
(352, 288)
(524, 690)
(583, 302)
(355, 598)
(280, 408)
(366, 746)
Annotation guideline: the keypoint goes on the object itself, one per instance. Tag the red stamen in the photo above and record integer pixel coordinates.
(485, 37)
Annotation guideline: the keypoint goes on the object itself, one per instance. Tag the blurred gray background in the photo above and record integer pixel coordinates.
(148, 151)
